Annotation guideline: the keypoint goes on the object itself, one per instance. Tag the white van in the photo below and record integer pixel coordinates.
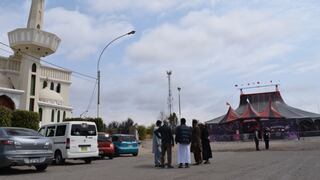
(72, 140)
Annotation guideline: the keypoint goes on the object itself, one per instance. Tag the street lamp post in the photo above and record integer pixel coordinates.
(179, 89)
(98, 68)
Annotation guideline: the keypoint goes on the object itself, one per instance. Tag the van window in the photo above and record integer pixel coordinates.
(61, 130)
(83, 130)
(42, 131)
(50, 131)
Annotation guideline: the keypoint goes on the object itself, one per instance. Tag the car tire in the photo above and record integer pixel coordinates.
(41, 167)
(116, 153)
(58, 159)
(88, 160)
(135, 154)
(110, 156)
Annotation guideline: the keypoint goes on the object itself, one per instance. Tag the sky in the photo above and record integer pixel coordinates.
(209, 45)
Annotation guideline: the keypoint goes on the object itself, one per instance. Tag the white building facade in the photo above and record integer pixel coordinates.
(25, 83)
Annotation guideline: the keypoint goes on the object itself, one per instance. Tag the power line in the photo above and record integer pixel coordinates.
(81, 74)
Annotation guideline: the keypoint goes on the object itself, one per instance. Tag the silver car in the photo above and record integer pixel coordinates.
(21, 146)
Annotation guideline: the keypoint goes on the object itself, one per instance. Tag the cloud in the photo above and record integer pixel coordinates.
(154, 6)
(202, 38)
(81, 33)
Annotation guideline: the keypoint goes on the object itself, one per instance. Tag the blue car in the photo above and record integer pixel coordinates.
(125, 144)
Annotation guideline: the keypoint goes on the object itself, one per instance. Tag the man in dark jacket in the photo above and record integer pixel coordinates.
(196, 146)
(266, 137)
(165, 133)
(256, 138)
(183, 138)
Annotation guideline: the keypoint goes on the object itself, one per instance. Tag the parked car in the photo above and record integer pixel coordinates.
(105, 145)
(72, 140)
(125, 144)
(21, 146)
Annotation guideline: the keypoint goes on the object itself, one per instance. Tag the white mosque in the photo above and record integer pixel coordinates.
(25, 83)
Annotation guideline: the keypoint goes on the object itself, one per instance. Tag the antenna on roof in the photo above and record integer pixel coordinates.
(256, 85)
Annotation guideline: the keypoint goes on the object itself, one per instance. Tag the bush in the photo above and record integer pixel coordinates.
(5, 117)
(25, 119)
(150, 129)
(99, 122)
(142, 130)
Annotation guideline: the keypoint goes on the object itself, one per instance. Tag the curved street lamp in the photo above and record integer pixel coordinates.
(98, 67)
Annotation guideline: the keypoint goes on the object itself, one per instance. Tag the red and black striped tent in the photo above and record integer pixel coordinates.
(263, 106)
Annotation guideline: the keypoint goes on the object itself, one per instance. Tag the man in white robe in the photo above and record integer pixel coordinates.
(183, 139)
(156, 145)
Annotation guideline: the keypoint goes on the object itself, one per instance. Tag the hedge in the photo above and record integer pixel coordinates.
(5, 117)
(25, 119)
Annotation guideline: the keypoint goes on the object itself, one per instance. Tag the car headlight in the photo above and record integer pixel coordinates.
(47, 145)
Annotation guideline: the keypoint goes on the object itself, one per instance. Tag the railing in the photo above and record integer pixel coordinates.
(11, 65)
(48, 72)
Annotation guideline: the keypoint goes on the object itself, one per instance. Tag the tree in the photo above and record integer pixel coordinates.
(126, 126)
(150, 129)
(25, 119)
(173, 120)
(142, 132)
(113, 127)
(5, 117)
(162, 116)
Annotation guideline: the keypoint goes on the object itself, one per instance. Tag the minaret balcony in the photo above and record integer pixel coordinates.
(34, 41)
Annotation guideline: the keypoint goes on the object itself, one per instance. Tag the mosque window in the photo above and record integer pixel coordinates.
(58, 88)
(64, 115)
(31, 104)
(34, 67)
(52, 115)
(58, 116)
(51, 86)
(45, 84)
(33, 85)
(40, 114)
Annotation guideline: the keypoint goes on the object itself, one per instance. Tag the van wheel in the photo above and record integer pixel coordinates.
(88, 160)
(111, 156)
(41, 167)
(135, 154)
(58, 159)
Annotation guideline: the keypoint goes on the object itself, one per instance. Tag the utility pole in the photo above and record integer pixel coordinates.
(169, 73)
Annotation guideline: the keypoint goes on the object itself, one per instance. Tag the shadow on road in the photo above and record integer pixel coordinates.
(145, 166)
(13, 171)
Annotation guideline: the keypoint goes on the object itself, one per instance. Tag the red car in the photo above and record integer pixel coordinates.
(105, 145)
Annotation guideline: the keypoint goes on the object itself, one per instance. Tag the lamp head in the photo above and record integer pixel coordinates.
(131, 32)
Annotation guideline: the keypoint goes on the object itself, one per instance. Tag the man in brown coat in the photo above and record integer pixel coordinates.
(196, 146)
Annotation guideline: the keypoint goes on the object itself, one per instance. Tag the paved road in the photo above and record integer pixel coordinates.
(291, 164)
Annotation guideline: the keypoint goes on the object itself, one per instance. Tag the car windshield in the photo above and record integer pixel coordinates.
(127, 138)
(83, 130)
(104, 137)
(21, 132)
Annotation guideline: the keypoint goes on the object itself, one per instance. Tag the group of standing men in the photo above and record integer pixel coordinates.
(257, 137)
(196, 136)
